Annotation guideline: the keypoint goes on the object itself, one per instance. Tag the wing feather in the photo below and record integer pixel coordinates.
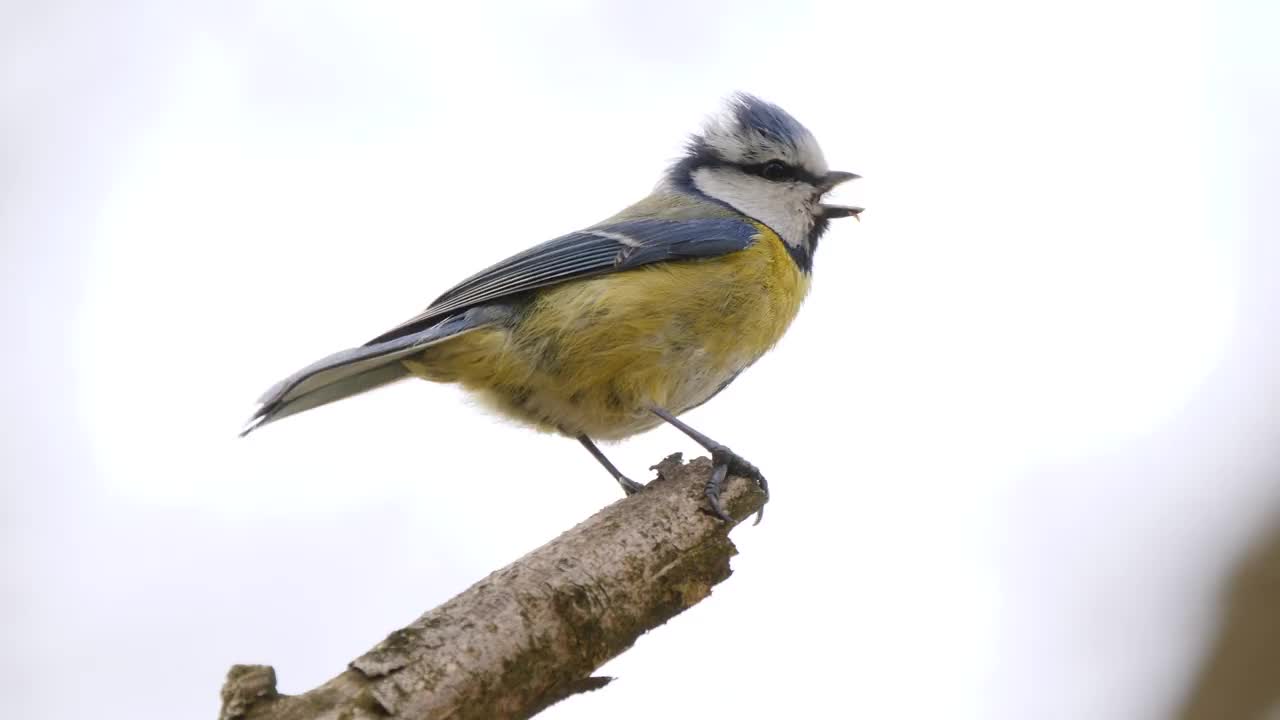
(612, 247)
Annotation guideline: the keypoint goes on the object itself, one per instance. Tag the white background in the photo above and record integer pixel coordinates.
(1019, 436)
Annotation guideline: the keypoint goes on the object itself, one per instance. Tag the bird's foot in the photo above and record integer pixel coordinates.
(726, 462)
(629, 486)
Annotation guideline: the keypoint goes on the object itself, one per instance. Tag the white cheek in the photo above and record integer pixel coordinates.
(785, 207)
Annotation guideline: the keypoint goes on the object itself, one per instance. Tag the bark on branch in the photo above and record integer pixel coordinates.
(531, 633)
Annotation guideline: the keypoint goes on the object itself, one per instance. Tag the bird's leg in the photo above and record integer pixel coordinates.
(724, 461)
(629, 486)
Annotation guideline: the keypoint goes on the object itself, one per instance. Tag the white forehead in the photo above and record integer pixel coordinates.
(751, 131)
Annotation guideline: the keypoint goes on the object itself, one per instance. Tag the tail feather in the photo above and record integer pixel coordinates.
(359, 370)
(283, 403)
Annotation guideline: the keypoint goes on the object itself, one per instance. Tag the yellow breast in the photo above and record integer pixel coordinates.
(593, 355)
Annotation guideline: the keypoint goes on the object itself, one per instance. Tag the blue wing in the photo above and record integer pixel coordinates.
(594, 251)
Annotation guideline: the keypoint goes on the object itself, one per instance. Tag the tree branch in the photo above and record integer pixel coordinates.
(531, 633)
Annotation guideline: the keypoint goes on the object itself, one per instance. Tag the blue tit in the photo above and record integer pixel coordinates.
(614, 329)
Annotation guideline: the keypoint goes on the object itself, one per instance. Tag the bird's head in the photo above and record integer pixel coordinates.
(762, 162)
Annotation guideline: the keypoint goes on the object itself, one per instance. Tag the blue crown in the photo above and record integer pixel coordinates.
(752, 113)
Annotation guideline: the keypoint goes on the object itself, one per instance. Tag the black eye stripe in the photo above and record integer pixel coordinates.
(769, 171)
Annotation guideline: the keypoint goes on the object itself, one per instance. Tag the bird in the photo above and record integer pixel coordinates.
(629, 323)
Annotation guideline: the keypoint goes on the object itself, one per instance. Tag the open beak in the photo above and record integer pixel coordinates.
(834, 178)
(829, 182)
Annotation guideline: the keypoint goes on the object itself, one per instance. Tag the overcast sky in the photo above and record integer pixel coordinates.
(1019, 436)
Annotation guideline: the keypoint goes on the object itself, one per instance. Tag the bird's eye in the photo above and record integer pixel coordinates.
(775, 170)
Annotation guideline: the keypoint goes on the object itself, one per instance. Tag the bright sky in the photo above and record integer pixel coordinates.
(1017, 437)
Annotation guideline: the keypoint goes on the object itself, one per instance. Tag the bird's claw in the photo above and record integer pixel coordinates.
(725, 462)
